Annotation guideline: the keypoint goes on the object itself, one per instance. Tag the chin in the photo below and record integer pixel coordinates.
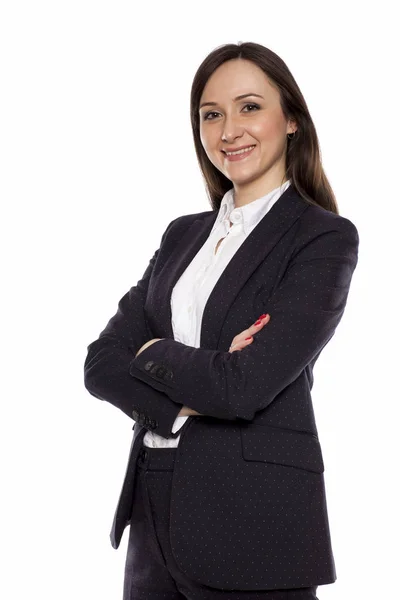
(245, 179)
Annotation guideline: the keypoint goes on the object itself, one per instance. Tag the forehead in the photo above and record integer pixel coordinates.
(235, 77)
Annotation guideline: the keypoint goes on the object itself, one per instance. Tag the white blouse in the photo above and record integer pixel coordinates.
(193, 288)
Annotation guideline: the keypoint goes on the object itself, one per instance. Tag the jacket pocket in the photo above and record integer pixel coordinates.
(264, 443)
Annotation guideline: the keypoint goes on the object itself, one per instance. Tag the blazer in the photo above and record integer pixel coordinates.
(248, 505)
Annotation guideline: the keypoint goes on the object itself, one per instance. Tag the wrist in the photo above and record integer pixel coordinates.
(147, 344)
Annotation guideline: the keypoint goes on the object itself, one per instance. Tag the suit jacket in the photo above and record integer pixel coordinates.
(248, 505)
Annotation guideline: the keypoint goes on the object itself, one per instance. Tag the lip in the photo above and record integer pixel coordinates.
(237, 157)
(238, 148)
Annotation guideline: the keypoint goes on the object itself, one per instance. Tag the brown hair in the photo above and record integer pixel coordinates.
(303, 159)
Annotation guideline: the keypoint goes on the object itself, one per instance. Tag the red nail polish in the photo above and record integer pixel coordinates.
(262, 317)
(257, 322)
(249, 338)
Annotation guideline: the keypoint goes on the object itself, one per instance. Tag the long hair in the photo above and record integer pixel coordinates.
(303, 157)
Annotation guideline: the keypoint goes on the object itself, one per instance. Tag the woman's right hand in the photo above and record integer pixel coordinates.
(239, 341)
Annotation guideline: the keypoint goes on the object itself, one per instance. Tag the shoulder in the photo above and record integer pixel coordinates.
(316, 221)
(190, 218)
(181, 223)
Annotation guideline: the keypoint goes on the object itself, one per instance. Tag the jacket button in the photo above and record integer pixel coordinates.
(148, 365)
(143, 453)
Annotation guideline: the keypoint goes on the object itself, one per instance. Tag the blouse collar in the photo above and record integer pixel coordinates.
(250, 214)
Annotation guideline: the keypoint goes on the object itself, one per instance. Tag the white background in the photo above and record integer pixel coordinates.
(96, 159)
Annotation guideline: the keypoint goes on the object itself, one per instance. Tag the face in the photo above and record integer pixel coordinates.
(257, 120)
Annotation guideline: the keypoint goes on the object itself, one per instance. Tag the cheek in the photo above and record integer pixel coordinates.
(207, 141)
(269, 126)
(267, 129)
(209, 149)
(210, 142)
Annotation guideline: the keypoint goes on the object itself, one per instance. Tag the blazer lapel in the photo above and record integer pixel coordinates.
(179, 259)
(253, 251)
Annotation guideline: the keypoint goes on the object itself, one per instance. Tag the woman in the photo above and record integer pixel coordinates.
(224, 488)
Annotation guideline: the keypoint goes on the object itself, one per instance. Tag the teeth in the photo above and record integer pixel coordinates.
(240, 151)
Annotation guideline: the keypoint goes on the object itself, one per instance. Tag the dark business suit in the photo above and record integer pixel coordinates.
(248, 480)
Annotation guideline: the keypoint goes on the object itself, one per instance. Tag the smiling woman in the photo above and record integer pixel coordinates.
(224, 488)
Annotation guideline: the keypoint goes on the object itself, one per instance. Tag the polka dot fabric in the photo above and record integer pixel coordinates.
(151, 571)
(247, 506)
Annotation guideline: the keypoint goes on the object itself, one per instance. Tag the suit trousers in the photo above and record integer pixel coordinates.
(151, 572)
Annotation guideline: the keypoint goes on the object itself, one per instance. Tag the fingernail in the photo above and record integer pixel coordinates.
(262, 316)
(257, 322)
(249, 338)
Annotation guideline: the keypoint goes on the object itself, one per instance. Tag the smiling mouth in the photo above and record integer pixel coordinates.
(240, 155)
(244, 149)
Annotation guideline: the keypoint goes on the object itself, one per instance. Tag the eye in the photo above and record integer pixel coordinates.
(255, 105)
(205, 118)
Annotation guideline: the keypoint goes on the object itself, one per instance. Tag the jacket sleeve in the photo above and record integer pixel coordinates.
(107, 365)
(304, 310)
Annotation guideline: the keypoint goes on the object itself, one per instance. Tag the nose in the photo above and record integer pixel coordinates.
(231, 130)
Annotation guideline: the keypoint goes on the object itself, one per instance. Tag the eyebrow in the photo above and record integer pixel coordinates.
(235, 99)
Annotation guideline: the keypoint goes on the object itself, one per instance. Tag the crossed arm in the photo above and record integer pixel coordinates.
(305, 310)
(185, 410)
